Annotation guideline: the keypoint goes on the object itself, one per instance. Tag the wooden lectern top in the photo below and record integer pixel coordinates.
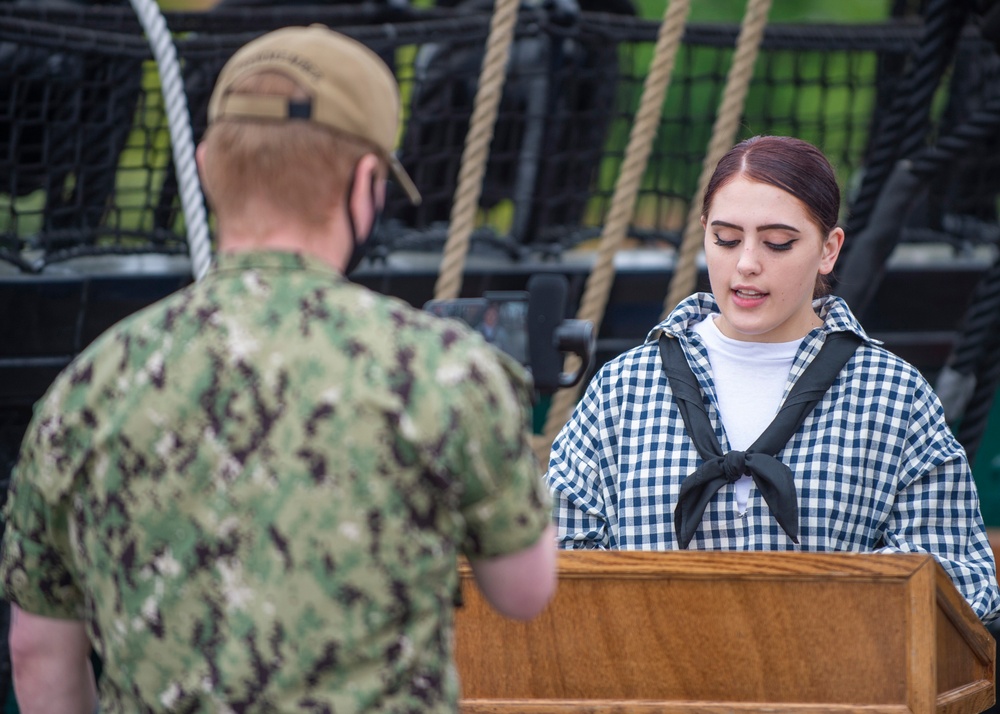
(713, 631)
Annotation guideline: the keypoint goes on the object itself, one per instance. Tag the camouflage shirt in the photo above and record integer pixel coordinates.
(254, 494)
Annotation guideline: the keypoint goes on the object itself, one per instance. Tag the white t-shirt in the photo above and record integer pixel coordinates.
(749, 382)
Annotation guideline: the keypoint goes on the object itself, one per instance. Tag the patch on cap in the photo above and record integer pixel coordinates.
(351, 89)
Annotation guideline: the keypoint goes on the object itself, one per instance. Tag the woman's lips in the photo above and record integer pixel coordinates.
(748, 297)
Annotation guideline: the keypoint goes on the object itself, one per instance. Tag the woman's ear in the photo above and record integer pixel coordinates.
(831, 250)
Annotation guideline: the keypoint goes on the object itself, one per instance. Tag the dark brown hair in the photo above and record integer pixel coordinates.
(793, 165)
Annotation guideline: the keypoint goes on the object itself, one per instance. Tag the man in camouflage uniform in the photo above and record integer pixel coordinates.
(252, 495)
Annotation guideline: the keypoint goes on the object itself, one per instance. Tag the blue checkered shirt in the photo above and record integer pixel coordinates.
(876, 466)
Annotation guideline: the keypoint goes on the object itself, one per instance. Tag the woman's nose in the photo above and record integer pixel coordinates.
(749, 262)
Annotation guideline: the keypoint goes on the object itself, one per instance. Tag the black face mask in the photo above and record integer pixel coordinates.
(360, 244)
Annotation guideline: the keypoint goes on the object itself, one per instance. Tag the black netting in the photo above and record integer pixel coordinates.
(86, 167)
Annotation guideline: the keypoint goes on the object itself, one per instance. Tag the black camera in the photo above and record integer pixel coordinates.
(530, 326)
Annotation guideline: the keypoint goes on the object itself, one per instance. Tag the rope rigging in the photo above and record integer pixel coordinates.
(723, 136)
(593, 303)
(977, 411)
(923, 52)
(181, 141)
(967, 383)
(903, 128)
(476, 151)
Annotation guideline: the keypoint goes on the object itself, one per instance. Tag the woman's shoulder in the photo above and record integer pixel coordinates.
(871, 358)
(877, 370)
(640, 358)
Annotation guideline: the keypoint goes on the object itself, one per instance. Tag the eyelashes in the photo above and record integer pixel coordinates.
(776, 247)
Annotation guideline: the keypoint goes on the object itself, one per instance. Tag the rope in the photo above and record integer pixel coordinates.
(598, 287)
(968, 137)
(967, 382)
(862, 270)
(903, 129)
(179, 123)
(962, 375)
(476, 150)
(723, 136)
(977, 412)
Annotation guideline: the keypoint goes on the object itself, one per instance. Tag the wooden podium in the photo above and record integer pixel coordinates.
(631, 631)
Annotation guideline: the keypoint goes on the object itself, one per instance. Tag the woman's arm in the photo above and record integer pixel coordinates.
(936, 509)
(581, 464)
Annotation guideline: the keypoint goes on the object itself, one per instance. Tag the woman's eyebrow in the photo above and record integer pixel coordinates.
(777, 227)
(765, 227)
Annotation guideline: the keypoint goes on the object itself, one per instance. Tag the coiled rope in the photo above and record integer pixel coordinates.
(594, 300)
(723, 136)
(967, 383)
(476, 150)
(903, 129)
(181, 141)
(977, 411)
(861, 271)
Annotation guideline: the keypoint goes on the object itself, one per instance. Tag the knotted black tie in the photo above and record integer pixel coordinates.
(772, 477)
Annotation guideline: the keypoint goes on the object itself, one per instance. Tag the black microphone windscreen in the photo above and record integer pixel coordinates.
(546, 310)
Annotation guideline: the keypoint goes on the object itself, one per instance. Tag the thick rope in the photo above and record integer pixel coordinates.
(179, 122)
(961, 141)
(961, 377)
(476, 150)
(862, 270)
(723, 136)
(903, 130)
(594, 301)
(977, 412)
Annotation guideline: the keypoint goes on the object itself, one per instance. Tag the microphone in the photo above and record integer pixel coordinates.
(546, 309)
(550, 336)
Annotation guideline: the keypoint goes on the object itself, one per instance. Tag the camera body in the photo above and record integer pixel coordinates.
(529, 325)
(500, 317)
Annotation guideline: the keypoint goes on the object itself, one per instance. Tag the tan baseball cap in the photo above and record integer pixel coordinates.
(351, 88)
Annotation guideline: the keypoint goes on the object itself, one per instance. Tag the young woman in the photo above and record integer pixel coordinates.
(873, 465)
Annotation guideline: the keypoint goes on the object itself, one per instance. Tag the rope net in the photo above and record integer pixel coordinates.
(86, 165)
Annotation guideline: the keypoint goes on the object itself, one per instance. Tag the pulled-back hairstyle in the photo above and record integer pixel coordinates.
(293, 165)
(791, 164)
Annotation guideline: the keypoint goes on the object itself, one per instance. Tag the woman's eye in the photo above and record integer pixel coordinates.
(781, 246)
(725, 243)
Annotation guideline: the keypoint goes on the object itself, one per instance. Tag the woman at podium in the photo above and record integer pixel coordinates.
(761, 416)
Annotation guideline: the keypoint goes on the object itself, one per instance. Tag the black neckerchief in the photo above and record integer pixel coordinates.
(772, 477)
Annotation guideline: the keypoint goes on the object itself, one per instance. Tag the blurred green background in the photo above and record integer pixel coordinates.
(708, 11)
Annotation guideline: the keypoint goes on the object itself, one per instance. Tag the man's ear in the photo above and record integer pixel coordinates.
(199, 157)
(202, 161)
(367, 195)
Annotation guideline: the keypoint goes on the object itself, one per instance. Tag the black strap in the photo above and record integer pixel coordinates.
(772, 477)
